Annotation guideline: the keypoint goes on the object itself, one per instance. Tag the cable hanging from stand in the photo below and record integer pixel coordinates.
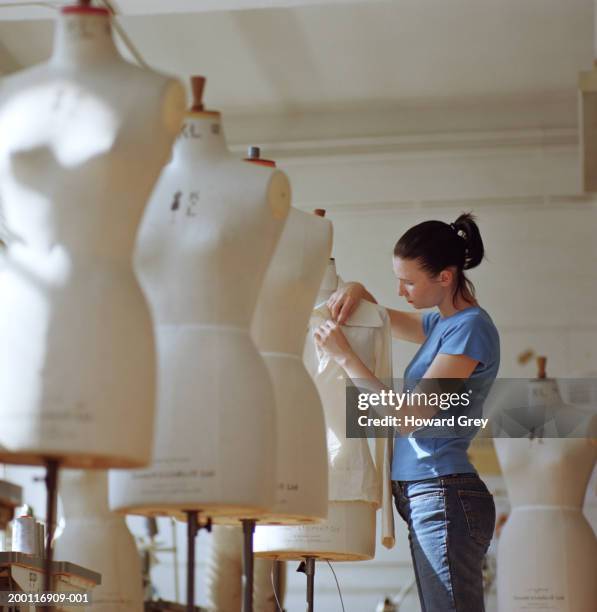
(108, 6)
(338, 585)
(280, 609)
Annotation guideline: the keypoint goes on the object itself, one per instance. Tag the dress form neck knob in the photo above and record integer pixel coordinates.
(541, 363)
(84, 7)
(197, 88)
(254, 156)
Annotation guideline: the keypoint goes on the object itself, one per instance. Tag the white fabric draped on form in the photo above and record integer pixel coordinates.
(353, 474)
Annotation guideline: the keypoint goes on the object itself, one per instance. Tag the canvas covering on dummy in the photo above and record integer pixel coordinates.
(208, 235)
(547, 550)
(84, 138)
(98, 539)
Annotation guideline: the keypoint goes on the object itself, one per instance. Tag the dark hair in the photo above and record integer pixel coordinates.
(437, 245)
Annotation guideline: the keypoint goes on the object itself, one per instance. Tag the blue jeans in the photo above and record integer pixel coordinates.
(450, 525)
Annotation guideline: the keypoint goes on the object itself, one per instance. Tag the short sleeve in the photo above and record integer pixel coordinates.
(472, 337)
(430, 320)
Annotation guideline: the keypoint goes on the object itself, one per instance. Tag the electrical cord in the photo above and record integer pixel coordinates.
(338, 585)
(124, 36)
(128, 43)
(280, 609)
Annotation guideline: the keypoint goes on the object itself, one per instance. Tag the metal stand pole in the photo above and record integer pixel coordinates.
(247, 579)
(193, 528)
(307, 567)
(310, 571)
(279, 580)
(51, 496)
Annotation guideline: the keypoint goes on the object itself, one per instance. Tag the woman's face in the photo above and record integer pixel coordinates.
(416, 285)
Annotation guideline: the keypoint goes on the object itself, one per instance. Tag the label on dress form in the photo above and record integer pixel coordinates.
(285, 493)
(538, 598)
(314, 534)
(173, 477)
(51, 425)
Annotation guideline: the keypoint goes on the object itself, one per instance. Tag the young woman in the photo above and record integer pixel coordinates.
(449, 511)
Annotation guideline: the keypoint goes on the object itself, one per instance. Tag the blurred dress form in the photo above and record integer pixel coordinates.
(282, 315)
(547, 551)
(84, 138)
(99, 540)
(202, 254)
(224, 575)
(358, 485)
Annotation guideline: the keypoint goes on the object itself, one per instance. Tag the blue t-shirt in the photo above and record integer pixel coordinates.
(468, 332)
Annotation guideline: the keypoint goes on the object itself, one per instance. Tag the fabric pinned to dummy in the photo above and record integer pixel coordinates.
(353, 474)
(366, 315)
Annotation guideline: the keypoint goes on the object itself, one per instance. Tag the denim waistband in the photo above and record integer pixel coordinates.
(454, 478)
(466, 479)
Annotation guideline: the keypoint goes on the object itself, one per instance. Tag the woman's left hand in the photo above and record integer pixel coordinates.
(330, 338)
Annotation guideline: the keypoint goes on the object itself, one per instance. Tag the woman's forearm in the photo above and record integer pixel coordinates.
(358, 371)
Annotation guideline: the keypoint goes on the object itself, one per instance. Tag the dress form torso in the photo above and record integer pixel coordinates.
(99, 540)
(546, 479)
(84, 137)
(203, 250)
(279, 325)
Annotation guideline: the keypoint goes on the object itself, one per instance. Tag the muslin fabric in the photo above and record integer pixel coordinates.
(354, 474)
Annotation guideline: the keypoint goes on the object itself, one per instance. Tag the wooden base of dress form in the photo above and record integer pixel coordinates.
(71, 461)
(219, 514)
(348, 534)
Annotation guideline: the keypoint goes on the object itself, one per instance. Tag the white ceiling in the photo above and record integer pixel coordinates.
(359, 57)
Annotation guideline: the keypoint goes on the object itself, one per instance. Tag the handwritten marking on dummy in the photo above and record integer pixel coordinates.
(193, 203)
(190, 131)
(189, 202)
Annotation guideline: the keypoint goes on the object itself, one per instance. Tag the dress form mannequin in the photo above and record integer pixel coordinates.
(547, 551)
(356, 486)
(84, 137)
(285, 303)
(98, 539)
(224, 575)
(203, 250)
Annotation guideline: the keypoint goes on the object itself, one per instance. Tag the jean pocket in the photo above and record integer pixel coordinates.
(479, 510)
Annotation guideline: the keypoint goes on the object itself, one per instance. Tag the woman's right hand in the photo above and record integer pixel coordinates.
(343, 302)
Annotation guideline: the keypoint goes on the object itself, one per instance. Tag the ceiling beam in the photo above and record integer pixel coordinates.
(159, 7)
